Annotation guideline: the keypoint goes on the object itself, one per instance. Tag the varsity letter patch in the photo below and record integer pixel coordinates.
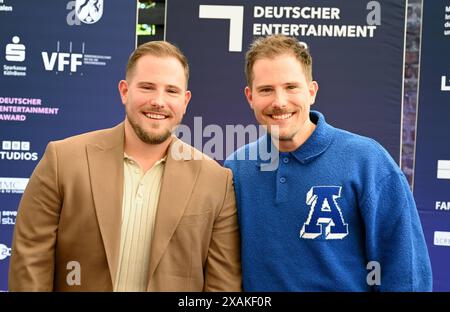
(325, 213)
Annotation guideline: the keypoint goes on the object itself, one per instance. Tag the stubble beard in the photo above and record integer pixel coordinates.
(147, 137)
(275, 133)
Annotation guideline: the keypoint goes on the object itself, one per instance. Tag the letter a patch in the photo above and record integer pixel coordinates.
(325, 213)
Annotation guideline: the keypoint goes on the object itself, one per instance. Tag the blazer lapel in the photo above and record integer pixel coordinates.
(106, 175)
(178, 183)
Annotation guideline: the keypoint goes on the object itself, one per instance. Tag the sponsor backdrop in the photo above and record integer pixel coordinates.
(357, 48)
(61, 61)
(432, 160)
(60, 65)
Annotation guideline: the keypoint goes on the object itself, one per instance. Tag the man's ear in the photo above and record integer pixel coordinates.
(313, 88)
(249, 96)
(123, 90)
(187, 98)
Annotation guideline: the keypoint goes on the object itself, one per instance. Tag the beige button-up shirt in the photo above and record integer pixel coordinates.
(140, 199)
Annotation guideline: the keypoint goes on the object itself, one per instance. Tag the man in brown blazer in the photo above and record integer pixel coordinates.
(130, 208)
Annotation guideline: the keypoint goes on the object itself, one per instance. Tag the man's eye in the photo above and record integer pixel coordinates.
(173, 91)
(265, 90)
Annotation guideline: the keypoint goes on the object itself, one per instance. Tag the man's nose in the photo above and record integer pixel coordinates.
(157, 99)
(280, 100)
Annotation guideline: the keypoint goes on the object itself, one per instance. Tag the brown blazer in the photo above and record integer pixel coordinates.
(71, 211)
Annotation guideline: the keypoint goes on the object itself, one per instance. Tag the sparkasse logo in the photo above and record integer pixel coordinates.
(15, 51)
(15, 55)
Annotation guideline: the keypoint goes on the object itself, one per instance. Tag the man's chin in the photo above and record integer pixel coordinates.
(151, 137)
(155, 138)
(283, 136)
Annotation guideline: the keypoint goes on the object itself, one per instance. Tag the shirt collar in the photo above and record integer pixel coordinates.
(318, 142)
(128, 157)
(315, 145)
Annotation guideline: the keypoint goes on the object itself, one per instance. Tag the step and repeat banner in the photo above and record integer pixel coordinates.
(61, 62)
(60, 65)
(357, 49)
(432, 159)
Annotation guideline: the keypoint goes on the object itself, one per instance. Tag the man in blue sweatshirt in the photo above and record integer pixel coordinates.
(331, 211)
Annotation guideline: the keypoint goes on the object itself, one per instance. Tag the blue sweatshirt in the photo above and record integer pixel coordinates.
(336, 214)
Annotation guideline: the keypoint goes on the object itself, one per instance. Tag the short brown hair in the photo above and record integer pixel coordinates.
(275, 45)
(159, 49)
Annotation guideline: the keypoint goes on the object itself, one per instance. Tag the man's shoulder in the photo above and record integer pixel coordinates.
(365, 151)
(96, 137)
(358, 143)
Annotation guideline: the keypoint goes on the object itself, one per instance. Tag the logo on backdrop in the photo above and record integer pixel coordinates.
(233, 13)
(15, 52)
(72, 60)
(84, 11)
(447, 21)
(4, 7)
(18, 108)
(17, 150)
(89, 11)
(441, 238)
(325, 214)
(291, 27)
(443, 169)
(13, 185)
(445, 84)
(5, 252)
(442, 206)
(8, 217)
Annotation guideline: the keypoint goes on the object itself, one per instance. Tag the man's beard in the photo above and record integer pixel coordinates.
(286, 137)
(147, 137)
(275, 133)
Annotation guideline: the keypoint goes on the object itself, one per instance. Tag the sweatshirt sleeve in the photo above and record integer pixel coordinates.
(394, 237)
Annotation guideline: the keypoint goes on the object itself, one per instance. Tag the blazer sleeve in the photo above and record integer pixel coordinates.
(33, 247)
(223, 264)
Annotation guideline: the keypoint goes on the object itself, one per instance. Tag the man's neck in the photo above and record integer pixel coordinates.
(145, 154)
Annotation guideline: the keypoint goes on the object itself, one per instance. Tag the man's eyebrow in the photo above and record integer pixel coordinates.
(174, 87)
(263, 87)
(140, 83)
